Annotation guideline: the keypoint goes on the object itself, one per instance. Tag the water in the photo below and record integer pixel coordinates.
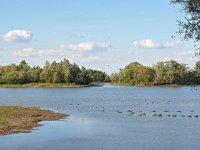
(96, 124)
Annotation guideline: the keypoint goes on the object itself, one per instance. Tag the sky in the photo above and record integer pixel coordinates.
(105, 34)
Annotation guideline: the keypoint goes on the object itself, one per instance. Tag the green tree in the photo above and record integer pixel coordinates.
(190, 26)
(198, 65)
(170, 72)
(66, 71)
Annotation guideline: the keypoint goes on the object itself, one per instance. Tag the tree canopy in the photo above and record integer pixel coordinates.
(55, 72)
(189, 27)
(162, 73)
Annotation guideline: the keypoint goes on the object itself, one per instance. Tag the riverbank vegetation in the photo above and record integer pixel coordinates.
(53, 74)
(65, 74)
(162, 73)
(22, 119)
(47, 85)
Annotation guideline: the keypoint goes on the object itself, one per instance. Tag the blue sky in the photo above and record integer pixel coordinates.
(105, 34)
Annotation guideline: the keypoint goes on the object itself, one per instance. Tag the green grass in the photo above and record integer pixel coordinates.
(45, 85)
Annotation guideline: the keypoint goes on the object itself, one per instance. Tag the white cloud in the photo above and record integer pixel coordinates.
(17, 36)
(146, 43)
(183, 57)
(30, 52)
(86, 47)
(70, 50)
(85, 53)
(74, 57)
(150, 43)
(172, 44)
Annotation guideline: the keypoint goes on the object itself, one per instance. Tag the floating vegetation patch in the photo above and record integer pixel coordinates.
(157, 115)
(131, 112)
(143, 114)
(174, 115)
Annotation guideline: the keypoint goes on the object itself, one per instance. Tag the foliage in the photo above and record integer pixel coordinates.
(55, 72)
(190, 26)
(162, 73)
(170, 72)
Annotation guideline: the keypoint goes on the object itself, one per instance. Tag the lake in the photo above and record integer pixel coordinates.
(100, 118)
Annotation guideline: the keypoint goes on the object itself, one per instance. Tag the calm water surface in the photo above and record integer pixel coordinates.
(99, 118)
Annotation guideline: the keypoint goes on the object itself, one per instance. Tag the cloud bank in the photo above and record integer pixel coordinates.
(86, 47)
(152, 44)
(74, 52)
(17, 36)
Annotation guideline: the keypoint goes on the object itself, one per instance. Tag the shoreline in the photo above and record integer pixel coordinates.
(17, 119)
(45, 85)
(72, 85)
(167, 85)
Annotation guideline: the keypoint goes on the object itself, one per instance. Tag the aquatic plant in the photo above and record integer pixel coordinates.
(154, 115)
(143, 114)
(174, 115)
(182, 115)
(131, 112)
(168, 115)
(157, 115)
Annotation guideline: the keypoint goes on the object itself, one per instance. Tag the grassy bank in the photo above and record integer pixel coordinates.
(46, 85)
(154, 85)
(18, 119)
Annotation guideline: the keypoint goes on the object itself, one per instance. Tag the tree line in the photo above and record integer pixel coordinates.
(162, 73)
(55, 72)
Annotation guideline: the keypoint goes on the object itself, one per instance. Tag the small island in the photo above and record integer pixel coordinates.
(15, 119)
